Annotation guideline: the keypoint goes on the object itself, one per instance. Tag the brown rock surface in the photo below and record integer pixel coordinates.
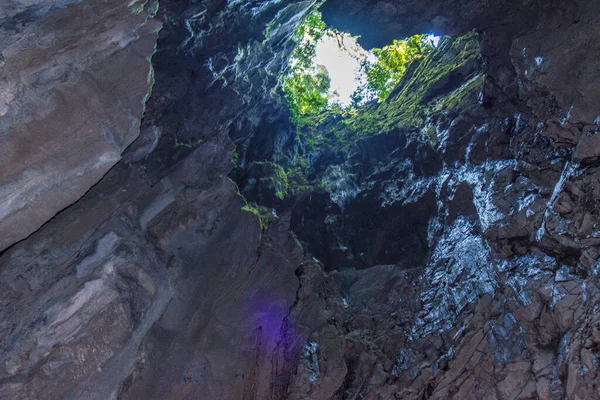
(73, 87)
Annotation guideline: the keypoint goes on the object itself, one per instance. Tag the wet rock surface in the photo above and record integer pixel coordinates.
(455, 256)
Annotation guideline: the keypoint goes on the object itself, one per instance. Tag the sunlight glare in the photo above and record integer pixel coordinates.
(342, 61)
(341, 57)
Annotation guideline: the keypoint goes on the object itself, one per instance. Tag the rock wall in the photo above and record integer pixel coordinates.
(74, 83)
(450, 252)
(123, 285)
(494, 283)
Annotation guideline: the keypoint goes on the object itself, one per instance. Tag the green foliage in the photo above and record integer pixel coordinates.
(305, 86)
(252, 208)
(390, 65)
(265, 215)
(272, 177)
(441, 82)
(189, 144)
(306, 93)
(411, 81)
(276, 182)
(270, 26)
(297, 180)
(315, 130)
(235, 158)
(280, 182)
(306, 36)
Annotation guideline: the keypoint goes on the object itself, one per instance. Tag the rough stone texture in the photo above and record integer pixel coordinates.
(123, 291)
(380, 21)
(92, 301)
(73, 87)
(458, 258)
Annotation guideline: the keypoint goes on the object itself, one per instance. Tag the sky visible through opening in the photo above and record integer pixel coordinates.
(343, 65)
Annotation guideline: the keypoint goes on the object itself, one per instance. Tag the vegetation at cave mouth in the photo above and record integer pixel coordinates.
(407, 85)
(307, 85)
(411, 79)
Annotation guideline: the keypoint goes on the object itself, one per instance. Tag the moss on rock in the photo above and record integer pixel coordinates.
(266, 216)
(271, 179)
(435, 84)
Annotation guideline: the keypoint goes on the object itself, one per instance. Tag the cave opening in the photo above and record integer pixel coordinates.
(330, 70)
(349, 109)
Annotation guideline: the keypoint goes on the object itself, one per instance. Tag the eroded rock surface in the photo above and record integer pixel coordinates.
(449, 250)
(73, 86)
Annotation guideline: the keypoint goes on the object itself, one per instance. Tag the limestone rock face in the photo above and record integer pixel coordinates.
(73, 87)
(450, 252)
(380, 21)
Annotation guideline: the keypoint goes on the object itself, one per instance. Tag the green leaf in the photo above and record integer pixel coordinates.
(384, 74)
